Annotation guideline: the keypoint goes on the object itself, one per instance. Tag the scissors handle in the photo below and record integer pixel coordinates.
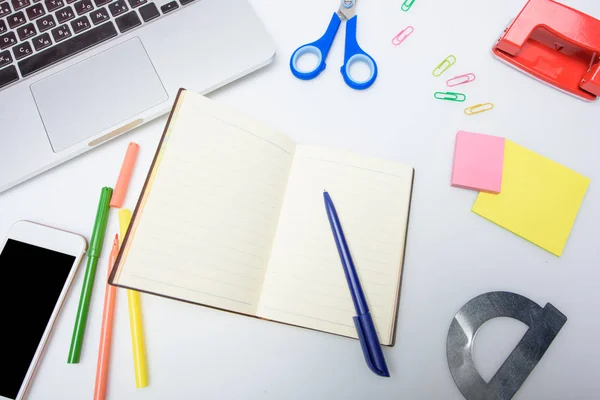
(353, 53)
(320, 48)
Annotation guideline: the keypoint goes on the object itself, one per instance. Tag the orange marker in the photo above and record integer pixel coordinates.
(125, 175)
(106, 330)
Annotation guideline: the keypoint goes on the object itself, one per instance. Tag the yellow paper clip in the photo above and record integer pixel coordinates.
(444, 65)
(479, 108)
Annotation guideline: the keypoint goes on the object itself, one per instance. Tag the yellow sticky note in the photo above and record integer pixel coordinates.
(539, 200)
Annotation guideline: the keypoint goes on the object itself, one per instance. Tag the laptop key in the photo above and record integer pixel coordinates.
(61, 33)
(8, 75)
(149, 12)
(35, 11)
(136, 3)
(15, 20)
(41, 42)
(7, 40)
(26, 31)
(167, 8)
(184, 2)
(18, 4)
(71, 1)
(65, 14)
(45, 23)
(128, 21)
(117, 8)
(83, 6)
(22, 50)
(5, 58)
(67, 48)
(4, 9)
(100, 15)
(3, 27)
(80, 24)
(53, 5)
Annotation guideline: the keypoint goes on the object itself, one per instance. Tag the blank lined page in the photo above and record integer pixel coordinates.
(206, 230)
(305, 283)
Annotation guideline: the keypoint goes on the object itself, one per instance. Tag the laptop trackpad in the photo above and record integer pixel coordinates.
(98, 93)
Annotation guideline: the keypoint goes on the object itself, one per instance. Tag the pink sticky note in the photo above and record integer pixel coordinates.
(478, 162)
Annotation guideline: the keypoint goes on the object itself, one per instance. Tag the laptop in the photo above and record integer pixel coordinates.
(76, 73)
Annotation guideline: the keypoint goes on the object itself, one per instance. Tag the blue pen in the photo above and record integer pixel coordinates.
(364, 323)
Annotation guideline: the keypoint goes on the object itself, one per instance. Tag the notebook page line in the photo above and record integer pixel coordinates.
(351, 328)
(335, 300)
(193, 290)
(205, 277)
(294, 277)
(241, 128)
(329, 294)
(185, 239)
(351, 166)
(309, 316)
(333, 279)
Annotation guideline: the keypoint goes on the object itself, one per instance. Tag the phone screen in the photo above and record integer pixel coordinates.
(32, 281)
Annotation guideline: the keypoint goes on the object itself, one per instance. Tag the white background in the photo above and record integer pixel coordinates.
(452, 256)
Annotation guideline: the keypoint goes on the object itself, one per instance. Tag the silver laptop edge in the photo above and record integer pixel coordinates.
(82, 102)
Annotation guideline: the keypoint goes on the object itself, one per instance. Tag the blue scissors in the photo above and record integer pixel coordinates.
(353, 52)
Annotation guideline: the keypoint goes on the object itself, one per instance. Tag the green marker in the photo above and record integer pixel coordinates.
(90, 272)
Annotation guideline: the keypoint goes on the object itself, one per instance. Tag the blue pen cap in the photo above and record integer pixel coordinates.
(370, 344)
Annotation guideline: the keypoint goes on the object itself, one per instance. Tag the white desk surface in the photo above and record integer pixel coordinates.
(452, 256)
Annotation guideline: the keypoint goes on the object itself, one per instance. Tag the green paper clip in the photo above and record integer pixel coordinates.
(444, 65)
(407, 5)
(450, 96)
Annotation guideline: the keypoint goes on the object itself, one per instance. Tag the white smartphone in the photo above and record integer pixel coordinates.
(37, 266)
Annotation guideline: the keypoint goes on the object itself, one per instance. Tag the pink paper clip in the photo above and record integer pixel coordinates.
(401, 37)
(461, 79)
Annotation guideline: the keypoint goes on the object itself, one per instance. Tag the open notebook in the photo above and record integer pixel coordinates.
(232, 216)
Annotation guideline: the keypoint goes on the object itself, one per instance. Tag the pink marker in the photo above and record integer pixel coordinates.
(118, 195)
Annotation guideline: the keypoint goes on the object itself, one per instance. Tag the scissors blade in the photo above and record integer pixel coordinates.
(347, 9)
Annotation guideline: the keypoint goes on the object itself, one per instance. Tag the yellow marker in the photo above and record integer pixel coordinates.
(539, 199)
(135, 319)
(124, 219)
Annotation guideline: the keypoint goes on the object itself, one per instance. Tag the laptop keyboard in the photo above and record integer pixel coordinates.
(35, 34)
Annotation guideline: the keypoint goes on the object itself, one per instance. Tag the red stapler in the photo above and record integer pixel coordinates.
(555, 44)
